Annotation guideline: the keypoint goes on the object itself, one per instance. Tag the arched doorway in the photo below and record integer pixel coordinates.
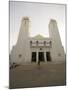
(41, 56)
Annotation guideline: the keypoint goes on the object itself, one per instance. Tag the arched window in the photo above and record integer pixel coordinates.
(30, 42)
(44, 42)
(50, 43)
(37, 42)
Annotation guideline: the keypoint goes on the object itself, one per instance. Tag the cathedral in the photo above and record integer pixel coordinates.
(33, 49)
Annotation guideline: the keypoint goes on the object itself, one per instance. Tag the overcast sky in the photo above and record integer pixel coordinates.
(40, 14)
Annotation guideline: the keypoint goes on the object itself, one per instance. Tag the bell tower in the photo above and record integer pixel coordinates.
(24, 30)
(57, 51)
(22, 47)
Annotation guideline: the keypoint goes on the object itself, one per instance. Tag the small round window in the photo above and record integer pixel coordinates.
(20, 55)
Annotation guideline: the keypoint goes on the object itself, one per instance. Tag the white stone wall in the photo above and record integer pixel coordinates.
(22, 51)
(22, 47)
(57, 51)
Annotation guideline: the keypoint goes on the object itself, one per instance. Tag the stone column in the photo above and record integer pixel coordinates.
(37, 57)
(45, 57)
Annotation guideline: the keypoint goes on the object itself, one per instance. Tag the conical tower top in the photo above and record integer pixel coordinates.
(53, 21)
(25, 18)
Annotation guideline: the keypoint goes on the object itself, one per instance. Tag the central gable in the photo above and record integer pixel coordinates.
(38, 37)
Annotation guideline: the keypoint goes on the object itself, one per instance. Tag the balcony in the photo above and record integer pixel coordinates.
(40, 43)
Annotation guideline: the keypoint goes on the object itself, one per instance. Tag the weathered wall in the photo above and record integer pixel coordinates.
(57, 51)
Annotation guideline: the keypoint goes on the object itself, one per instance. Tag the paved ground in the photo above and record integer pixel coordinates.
(32, 75)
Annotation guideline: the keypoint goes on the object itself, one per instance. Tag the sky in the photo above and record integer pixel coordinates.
(40, 15)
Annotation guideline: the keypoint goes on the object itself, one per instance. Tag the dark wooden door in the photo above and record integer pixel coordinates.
(41, 56)
(48, 56)
(33, 56)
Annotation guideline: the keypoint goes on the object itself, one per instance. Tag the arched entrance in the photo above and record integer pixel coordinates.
(41, 56)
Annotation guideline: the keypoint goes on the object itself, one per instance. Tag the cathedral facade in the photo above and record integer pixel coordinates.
(33, 49)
